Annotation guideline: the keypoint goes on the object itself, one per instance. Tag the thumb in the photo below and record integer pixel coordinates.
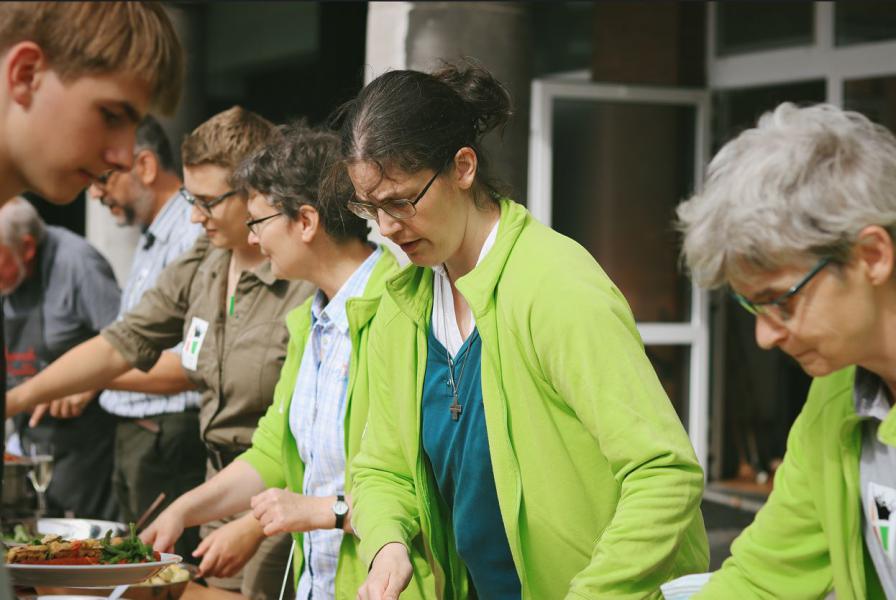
(38, 414)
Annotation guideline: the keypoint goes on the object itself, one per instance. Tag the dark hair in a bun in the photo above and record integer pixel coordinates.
(414, 121)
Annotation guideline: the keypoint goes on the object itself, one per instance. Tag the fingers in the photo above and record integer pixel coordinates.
(209, 564)
(262, 502)
(56, 407)
(217, 561)
(273, 528)
(148, 535)
(76, 406)
(37, 415)
(161, 541)
(394, 587)
(202, 548)
(63, 408)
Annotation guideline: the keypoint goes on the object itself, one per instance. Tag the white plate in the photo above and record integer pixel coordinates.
(87, 575)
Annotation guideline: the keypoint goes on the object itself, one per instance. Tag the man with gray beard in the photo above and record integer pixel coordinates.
(157, 445)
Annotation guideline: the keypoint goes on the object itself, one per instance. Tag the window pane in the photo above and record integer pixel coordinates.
(858, 22)
(619, 171)
(875, 98)
(762, 391)
(562, 36)
(736, 110)
(751, 26)
(672, 366)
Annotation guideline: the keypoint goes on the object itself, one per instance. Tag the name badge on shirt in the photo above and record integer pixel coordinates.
(189, 357)
(882, 512)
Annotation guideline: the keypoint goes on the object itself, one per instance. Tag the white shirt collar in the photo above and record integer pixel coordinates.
(444, 321)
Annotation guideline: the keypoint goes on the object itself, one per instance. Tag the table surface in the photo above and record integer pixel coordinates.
(195, 591)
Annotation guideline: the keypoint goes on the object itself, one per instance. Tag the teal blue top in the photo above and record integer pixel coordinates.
(460, 459)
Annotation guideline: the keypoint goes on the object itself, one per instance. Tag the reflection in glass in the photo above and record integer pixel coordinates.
(672, 366)
(858, 22)
(762, 391)
(875, 98)
(619, 170)
(41, 458)
(736, 110)
(751, 26)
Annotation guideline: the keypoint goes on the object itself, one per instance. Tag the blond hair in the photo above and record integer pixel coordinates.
(96, 38)
(226, 139)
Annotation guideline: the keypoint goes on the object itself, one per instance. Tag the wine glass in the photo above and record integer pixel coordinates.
(41, 473)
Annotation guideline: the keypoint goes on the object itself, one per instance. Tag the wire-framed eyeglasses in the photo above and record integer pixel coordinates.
(397, 209)
(779, 307)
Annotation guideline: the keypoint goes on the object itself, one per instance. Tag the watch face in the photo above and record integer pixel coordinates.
(341, 507)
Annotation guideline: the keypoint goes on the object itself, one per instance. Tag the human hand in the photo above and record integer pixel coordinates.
(165, 530)
(68, 407)
(227, 549)
(282, 511)
(389, 574)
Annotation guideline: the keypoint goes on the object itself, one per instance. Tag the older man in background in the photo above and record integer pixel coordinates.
(157, 444)
(58, 292)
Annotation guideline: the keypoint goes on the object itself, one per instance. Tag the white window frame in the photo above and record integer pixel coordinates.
(820, 60)
(693, 333)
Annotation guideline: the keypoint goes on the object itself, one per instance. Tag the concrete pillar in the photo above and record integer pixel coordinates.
(116, 243)
(423, 35)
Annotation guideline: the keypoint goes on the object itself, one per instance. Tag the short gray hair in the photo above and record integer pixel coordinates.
(799, 186)
(19, 218)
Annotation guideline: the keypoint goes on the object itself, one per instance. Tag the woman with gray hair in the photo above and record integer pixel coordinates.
(797, 216)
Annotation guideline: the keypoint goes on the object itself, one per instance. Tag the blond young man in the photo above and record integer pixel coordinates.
(76, 79)
(222, 299)
(72, 89)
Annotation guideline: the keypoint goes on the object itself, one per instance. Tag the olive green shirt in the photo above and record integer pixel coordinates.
(239, 357)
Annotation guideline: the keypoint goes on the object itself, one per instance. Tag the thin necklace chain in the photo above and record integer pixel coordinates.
(455, 408)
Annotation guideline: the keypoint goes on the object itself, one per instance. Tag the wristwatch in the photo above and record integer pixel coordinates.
(340, 509)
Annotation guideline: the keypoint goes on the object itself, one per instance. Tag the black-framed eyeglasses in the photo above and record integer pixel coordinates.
(205, 206)
(253, 224)
(779, 307)
(397, 209)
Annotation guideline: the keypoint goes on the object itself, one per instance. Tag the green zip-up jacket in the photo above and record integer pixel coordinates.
(807, 539)
(274, 453)
(597, 483)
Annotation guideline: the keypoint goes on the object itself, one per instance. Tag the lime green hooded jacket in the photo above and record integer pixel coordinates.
(597, 483)
(808, 539)
(274, 453)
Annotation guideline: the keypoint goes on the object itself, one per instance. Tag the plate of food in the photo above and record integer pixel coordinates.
(56, 561)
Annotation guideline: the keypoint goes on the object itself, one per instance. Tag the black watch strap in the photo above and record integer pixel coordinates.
(340, 514)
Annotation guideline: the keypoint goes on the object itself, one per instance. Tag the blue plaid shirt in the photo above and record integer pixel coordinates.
(316, 419)
(169, 236)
